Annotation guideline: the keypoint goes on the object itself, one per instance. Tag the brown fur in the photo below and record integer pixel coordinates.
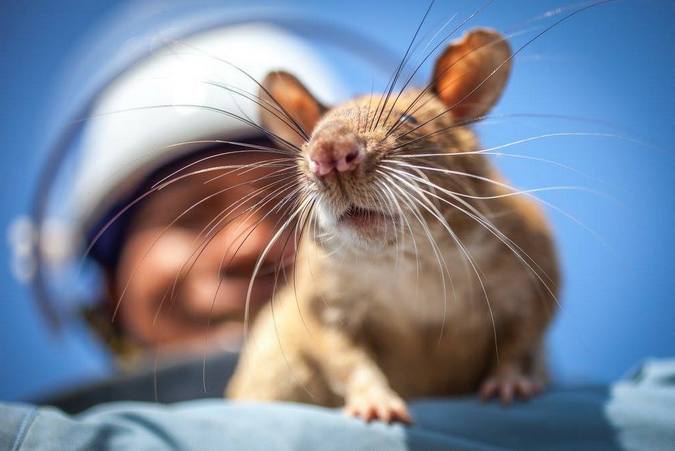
(365, 320)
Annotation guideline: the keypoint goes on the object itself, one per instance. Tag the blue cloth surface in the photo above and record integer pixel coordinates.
(637, 413)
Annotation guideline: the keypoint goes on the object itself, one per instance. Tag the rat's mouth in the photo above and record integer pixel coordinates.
(362, 218)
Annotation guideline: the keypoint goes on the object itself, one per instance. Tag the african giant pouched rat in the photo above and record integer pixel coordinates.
(419, 271)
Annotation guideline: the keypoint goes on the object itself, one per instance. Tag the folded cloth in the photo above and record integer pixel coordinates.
(642, 407)
(636, 413)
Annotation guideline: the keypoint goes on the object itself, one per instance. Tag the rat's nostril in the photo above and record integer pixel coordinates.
(349, 160)
(320, 168)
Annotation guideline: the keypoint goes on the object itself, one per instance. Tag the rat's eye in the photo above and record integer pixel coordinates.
(409, 118)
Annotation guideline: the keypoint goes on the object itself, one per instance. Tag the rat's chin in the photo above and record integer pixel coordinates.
(360, 225)
(364, 219)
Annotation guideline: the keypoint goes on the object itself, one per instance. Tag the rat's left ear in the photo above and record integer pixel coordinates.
(471, 74)
(290, 95)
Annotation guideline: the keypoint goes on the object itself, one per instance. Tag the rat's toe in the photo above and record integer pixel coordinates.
(378, 405)
(509, 386)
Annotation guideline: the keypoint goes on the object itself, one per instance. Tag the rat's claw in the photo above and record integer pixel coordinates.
(510, 385)
(378, 405)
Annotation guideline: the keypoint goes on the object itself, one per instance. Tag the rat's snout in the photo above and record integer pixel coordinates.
(334, 149)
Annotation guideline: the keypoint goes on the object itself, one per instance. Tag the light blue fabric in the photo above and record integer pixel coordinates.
(637, 413)
(642, 407)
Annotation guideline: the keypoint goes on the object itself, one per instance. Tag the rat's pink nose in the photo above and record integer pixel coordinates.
(343, 154)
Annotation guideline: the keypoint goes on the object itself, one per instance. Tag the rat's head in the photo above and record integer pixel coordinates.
(367, 161)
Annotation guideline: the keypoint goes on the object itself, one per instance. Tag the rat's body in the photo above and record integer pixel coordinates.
(419, 273)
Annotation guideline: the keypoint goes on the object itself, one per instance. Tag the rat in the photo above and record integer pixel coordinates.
(419, 271)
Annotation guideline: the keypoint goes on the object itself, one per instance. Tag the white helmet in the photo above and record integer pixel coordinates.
(190, 86)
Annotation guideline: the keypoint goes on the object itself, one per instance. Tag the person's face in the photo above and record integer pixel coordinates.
(188, 259)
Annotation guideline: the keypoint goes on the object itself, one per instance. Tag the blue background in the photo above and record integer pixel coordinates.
(612, 63)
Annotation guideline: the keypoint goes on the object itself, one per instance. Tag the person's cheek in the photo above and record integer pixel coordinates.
(217, 286)
(207, 295)
(149, 266)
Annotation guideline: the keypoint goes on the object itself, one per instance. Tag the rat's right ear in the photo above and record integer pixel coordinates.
(471, 74)
(287, 106)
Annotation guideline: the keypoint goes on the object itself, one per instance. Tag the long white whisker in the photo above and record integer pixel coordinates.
(262, 256)
(519, 141)
(442, 264)
(429, 207)
(478, 217)
(554, 207)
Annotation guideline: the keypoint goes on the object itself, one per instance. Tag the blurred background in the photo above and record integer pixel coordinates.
(605, 74)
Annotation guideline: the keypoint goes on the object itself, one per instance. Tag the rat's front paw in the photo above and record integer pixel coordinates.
(378, 404)
(509, 384)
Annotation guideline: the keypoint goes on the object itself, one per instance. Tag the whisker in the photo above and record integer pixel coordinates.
(434, 212)
(304, 209)
(442, 264)
(482, 220)
(397, 73)
(215, 231)
(287, 166)
(266, 105)
(159, 236)
(251, 149)
(520, 141)
(593, 232)
(209, 108)
(507, 60)
(262, 256)
(430, 53)
(250, 77)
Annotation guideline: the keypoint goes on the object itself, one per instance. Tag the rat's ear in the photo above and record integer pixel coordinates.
(283, 95)
(471, 74)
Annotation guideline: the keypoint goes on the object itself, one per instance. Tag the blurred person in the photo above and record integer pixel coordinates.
(184, 265)
(177, 262)
(171, 193)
